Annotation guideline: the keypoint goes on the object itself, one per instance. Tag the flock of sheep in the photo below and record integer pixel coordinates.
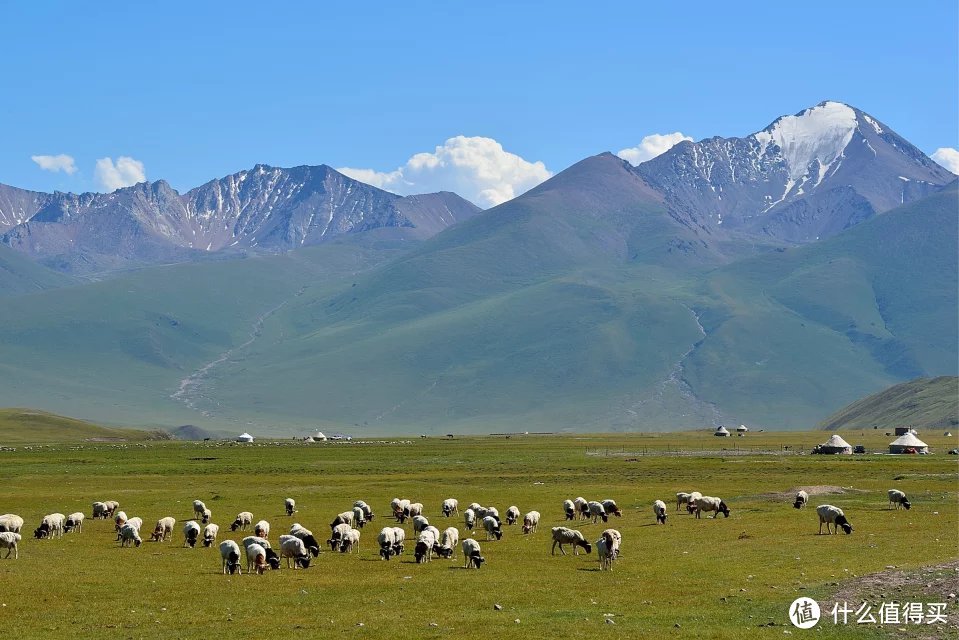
(299, 546)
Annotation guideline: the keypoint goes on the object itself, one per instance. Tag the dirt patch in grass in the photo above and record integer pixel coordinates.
(926, 585)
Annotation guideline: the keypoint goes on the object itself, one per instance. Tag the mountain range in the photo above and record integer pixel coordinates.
(767, 280)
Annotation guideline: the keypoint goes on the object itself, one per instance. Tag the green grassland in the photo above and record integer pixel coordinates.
(29, 426)
(715, 578)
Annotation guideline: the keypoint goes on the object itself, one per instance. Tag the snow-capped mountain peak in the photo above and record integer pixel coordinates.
(818, 134)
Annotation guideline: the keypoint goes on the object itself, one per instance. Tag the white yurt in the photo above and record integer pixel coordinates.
(722, 432)
(244, 437)
(742, 428)
(908, 443)
(835, 444)
(319, 437)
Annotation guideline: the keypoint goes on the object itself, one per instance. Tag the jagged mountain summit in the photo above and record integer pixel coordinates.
(803, 177)
(265, 208)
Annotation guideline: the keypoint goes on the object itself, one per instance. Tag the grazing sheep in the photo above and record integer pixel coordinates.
(129, 534)
(163, 528)
(530, 522)
(681, 499)
(387, 541)
(597, 511)
(400, 536)
(607, 548)
(659, 510)
(207, 516)
(290, 505)
(10, 541)
(191, 532)
(306, 536)
(899, 499)
(801, 499)
(450, 507)
(112, 507)
(344, 518)
(51, 526)
(569, 509)
(262, 529)
(367, 510)
(230, 552)
(512, 515)
(564, 535)
(119, 519)
(243, 520)
(424, 546)
(99, 511)
(582, 508)
(436, 536)
(401, 509)
(198, 508)
(471, 551)
(255, 559)
(359, 517)
(74, 522)
(611, 508)
(292, 548)
(469, 519)
(476, 507)
(263, 542)
(830, 515)
(691, 504)
(11, 522)
(415, 509)
(210, 532)
(419, 523)
(350, 542)
(708, 503)
(492, 527)
(448, 541)
(337, 536)
(136, 523)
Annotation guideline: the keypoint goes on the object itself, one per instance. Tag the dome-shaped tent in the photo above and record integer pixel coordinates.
(722, 432)
(244, 437)
(742, 428)
(908, 443)
(834, 445)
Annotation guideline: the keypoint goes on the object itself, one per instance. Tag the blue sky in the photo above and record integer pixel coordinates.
(194, 91)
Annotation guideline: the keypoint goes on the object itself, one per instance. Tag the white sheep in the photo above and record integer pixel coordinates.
(492, 527)
(336, 536)
(10, 541)
(74, 522)
(387, 541)
(243, 520)
(367, 510)
(191, 532)
(448, 541)
(400, 508)
(659, 510)
(255, 559)
(119, 519)
(597, 511)
(129, 535)
(306, 536)
(681, 498)
(830, 515)
(565, 535)
(136, 523)
(112, 507)
(424, 546)
(415, 509)
(99, 511)
(207, 516)
(198, 508)
(164, 527)
(399, 535)
(471, 552)
(607, 548)
(51, 526)
(359, 517)
(709, 503)
(476, 507)
(691, 502)
(582, 508)
(469, 519)
(11, 522)
(262, 529)
(290, 505)
(569, 509)
(531, 522)
(611, 507)
(512, 515)
(419, 523)
(451, 506)
(350, 542)
(801, 499)
(344, 518)
(292, 548)
(899, 499)
(210, 532)
(230, 553)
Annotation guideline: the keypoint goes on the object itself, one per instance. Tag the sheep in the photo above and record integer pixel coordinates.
(681, 499)
(419, 523)
(51, 526)
(415, 509)
(531, 522)
(387, 541)
(401, 509)
(476, 507)
(136, 523)
(801, 499)
(691, 502)
(290, 505)
(469, 519)
(74, 522)
(207, 516)
(564, 535)
(597, 511)
(243, 520)
(899, 499)
(471, 552)
(230, 552)
(255, 559)
(829, 514)
(708, 503)
(198, 508)
(512, 515)
(610, 506)
(99, 511)
(129, 534)
(119, 519)
(350, 542)
(10, 541)
(210, 532)
(367, 510)
(163, 528)
(492, 527)
(436, 536)
(344, 518)
(112, 507)
(292, 548)
(424, 547)
(569, 509)
(451, 507)
(607, 548)
(582, 508)
(262, 529)
(263, 542)
(399, 535)
(359, 516)
(338, 532)
(306, 536)
(11, 522)
(191, 531)
(448, 541)
(659, 510)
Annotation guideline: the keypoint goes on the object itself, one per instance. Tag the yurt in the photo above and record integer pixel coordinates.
(908, 443)
(722, 432)
(742, 428)
(835, 444)
(319, 437)
(244, 437)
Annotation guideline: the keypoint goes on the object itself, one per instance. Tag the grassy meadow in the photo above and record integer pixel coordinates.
(719, 578)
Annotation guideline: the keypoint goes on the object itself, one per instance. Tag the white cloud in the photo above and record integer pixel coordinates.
(125, 173)
(652, 146)
(948, 158)
(61, 162)
(477, 168)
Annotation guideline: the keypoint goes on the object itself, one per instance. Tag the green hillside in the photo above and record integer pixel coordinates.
(19, 274)
(924, 403)
(29, 426)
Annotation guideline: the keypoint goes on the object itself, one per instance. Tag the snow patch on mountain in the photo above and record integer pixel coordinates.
(817, 134)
